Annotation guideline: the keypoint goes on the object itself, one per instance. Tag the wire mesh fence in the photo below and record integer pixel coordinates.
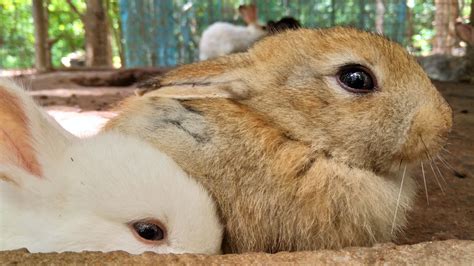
(167, 32)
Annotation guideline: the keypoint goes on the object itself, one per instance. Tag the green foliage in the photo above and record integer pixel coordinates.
(16, 34)
(423, 31)
(65, 29)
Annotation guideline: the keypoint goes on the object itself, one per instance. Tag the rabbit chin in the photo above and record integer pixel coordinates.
(91, 193)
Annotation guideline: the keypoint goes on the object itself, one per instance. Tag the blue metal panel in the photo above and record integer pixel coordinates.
(166, 32)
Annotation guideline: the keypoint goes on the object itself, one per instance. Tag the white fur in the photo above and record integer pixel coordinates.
(223, 38)
(91, 188)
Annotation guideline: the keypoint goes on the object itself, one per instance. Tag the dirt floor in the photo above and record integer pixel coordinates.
(450, 211)
(447, 214)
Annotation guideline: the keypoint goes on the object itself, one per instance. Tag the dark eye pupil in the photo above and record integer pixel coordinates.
(356, 79)
(148, 231)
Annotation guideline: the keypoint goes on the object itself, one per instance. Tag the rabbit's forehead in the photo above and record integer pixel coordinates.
(377, 54)
(121, 173)
(327, 50)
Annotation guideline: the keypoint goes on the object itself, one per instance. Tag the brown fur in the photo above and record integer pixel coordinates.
(294, 161)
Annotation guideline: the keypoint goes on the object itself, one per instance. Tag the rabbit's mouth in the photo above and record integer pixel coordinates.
(419, 154)
(423, 147)
(427, 134)
(416, 154)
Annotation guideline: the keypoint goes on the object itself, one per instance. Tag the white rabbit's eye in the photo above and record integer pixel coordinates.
(148, 230)
(356, 78)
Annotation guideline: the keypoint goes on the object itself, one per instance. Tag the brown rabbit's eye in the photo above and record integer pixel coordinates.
(356, 79)
(148, 230)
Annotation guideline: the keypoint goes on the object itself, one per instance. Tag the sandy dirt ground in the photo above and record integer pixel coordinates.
(448, 213)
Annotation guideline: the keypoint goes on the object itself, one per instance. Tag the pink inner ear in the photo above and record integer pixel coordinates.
(465, 32)
(15, 136)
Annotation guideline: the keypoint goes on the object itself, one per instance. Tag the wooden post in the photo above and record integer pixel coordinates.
(445, 18)
(40, 18)
(98, 44)
(470, 49)
(379, 16)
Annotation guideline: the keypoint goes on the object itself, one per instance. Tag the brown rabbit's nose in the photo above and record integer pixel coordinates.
(428, 132)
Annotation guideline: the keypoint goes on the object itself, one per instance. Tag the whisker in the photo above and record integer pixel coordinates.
(446, 150)
(398, 200)
(431, 165)
(446, 163)
(424, 181)
(439, 172)
(436, 177)
(451, 154)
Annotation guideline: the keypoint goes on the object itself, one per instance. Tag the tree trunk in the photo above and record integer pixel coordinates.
(445, 19)
(116, 32)
(362, 14)
(470, 49)
(466, 33)
(333, 13)
(379, 15)
(98, 44)
(453, 40)
(410, 28)
(42, 49)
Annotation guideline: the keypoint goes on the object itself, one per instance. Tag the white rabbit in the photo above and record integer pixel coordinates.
(108, 192)
(223, 38)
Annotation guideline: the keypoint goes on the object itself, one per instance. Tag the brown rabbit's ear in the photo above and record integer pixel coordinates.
(218, 78)
(28, 137)
(230, 90)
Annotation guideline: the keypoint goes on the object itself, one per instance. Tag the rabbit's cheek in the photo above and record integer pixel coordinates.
(362, 136)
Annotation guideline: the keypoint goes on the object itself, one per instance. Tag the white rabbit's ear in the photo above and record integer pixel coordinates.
(29, 138)
(465, 32)
(249, 14)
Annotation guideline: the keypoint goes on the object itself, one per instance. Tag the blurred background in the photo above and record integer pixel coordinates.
(164, 33)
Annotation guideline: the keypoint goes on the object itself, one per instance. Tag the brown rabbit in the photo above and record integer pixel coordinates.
(304, 141)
